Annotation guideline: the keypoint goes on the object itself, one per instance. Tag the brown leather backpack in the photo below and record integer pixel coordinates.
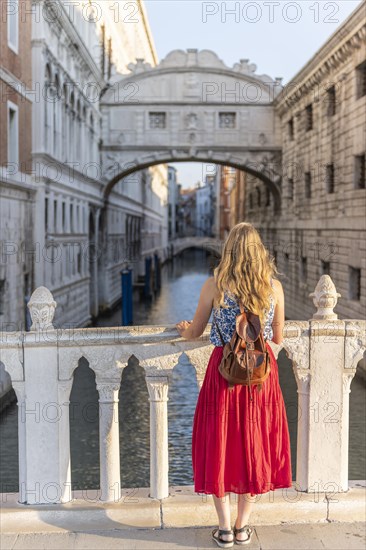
(245, 359)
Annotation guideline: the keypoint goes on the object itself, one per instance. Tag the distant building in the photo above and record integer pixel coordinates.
(187, 213)
(173, 202)
(205, 198)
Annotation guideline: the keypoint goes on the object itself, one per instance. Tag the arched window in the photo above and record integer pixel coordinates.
(48, 133)
(56, 117)
(258, 191)
(71, 136)
(65, 125)
(78, 130)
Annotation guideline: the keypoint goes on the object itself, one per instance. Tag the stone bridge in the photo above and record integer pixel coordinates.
(206, 243)
(192, 107)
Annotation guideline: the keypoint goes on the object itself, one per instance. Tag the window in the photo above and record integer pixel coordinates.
(309, 117)
(331, 101)
(227, 120)
(258, 191)
(46, 214)
(13, 133)
(359, 172)
(287, 259)
(325, 268)
(55, 216)
(13, 24)
(303, 269)
(290, 126)
(71, 218)
(290, 189)
(329, 178)
(268, 197)
(63, 216)
(2, 296)
(307, 185)
(361, 80)
(157, 120)
(354, 283)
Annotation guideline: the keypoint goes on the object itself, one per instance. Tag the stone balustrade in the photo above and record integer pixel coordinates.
(324, 352)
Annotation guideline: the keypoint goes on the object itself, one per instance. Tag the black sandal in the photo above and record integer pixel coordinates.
(249, 532)
(221, 542)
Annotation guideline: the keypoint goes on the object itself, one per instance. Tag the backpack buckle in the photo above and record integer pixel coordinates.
(250, 345)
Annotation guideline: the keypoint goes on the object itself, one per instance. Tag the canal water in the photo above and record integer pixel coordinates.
(177, 299)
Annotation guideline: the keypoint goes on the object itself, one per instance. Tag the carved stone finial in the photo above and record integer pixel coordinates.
(325, 298)
(42, 309)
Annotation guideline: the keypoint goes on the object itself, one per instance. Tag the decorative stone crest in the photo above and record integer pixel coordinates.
(42, 309)
(325, 298)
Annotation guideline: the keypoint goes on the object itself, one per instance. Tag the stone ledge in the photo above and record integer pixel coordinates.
(350, 506)
(183, 508)
(134, 510)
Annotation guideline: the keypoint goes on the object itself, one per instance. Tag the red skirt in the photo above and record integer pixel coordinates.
(240, 446)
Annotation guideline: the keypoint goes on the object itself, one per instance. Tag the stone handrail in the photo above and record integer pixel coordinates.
(41, 363)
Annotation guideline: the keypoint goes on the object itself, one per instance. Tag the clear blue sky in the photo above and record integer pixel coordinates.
(279, 40)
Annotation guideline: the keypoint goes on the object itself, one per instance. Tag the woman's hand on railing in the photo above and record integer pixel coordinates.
(182, 327)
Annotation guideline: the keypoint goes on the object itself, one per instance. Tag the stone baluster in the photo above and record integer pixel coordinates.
(157, 381)
(159, 458)
(110, 476)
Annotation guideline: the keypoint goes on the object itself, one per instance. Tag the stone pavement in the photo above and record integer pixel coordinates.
(289, 536)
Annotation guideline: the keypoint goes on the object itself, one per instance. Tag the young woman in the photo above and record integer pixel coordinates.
(239, 446)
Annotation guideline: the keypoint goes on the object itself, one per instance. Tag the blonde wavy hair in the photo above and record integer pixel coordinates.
(245, 270)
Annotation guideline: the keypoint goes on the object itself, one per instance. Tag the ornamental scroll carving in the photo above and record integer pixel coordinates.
(158, 388)
(107, 390)
(355, 344)
(296, 343)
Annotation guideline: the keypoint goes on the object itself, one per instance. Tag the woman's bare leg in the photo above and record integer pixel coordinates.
(245, 505)
(222, 505)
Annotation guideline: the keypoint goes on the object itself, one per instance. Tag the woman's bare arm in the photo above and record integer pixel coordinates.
(278, 322)
(195, 328)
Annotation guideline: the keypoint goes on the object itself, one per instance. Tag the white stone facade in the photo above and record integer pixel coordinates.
(87, 242)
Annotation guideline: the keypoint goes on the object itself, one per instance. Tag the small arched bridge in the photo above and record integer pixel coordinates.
(210, 244)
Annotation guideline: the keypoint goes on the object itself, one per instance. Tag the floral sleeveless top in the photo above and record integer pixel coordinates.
(226, 320)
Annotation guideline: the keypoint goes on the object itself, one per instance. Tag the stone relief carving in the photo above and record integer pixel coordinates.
(296, 344)
(108, 390)
(42, 309)
(355, 344)
(158, 388)
(191, 121)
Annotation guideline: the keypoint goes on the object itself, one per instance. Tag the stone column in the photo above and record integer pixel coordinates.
(110, 476)
(159, 458)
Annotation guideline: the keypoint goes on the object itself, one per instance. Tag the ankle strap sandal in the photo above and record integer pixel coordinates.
(220, 541)
(248, 530)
